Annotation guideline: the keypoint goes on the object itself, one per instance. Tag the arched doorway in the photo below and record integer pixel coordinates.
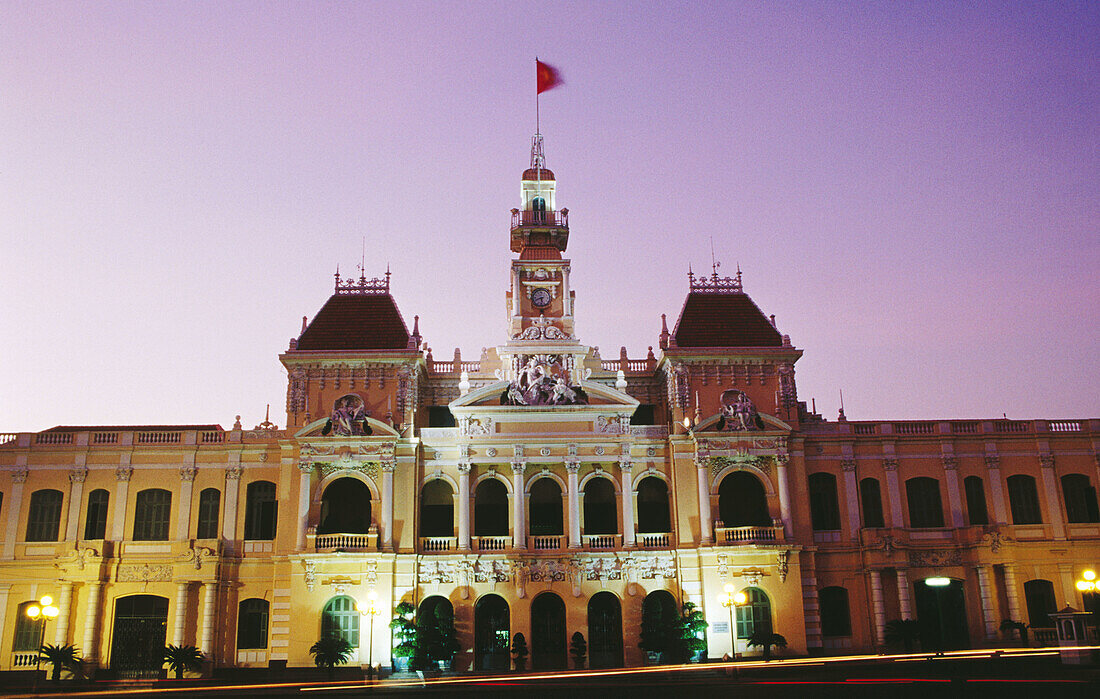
(548, 632)
(941, 613)
(491, 508)
(437, 509)
(605, 631)
(742, 501)
(492, 634)
(546, 508)
(660, 631)
(345, 507)
(600, 510)
(137, 637)
(435, 621)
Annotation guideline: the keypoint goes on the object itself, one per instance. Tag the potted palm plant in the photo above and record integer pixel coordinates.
(62, 658)
(329, 652)
(578, 649)
(405, 635)
(766, 638)
(182, 658)
(903, 632)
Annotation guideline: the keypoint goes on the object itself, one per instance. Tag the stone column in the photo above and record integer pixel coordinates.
(15, 498)
(122, 489)
(954, 498)
(210, 595)
(183, 512)
(386, 529)
(985, 591)
(893, 492)
(61, 634)
(573, 466)
(232, 488)
(89, 643)
(851, 491)
(517, 292)
(1050, 487)
(996, 490)
(626, 472)
(706, 524)
(781, 461)
(1011, 592)
(305, 470)
(566, 301)
(76, 496)
(905, 607)
(180, 618)
(464, 506)
(519, 509)
(879, 609)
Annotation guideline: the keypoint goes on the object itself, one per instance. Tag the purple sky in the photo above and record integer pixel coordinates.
(914, 190)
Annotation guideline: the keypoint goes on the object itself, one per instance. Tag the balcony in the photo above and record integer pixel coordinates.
(735, 536)
(539, 229)
(346, 542)
(654, 541)
(491, 543)
(547, 543)
(537, 219)
(438, 544)
(601, 541)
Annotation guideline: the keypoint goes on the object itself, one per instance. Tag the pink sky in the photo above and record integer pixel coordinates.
(912, 189)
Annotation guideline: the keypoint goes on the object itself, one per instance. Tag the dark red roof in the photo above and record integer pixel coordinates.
(540, 252)
(135, 428)
(356, 322)
(536, 174)
(724, 320)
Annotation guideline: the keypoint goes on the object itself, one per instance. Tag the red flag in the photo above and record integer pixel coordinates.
(547, 76)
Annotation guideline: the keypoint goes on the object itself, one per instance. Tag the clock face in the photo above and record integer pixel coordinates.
(540, 297)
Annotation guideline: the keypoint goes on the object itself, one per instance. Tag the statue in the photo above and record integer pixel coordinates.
(349, 418)
(738, 412)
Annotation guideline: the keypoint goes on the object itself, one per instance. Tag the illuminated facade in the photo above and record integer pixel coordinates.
(539, 489)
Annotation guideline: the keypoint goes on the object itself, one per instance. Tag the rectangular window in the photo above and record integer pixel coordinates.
(925, 505)
(44, 516)
(975, 500)
(824, 510)
(870, 496)
(95, 524)
(152, 512)
(1024, 500)
(209, 503)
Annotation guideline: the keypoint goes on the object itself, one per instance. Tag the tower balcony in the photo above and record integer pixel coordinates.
(539, 228)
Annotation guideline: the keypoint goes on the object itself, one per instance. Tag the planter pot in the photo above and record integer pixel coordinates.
(401, 664)
(444, 665)
(653, 657)
(698, 656)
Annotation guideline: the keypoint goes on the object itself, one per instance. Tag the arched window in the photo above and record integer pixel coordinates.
(742, 501)
(437, 509)
(548, 632)
(152, 512)
(26, 630)
(755, 615)
(345, 507)
(870, 496)
(836, 617)
(1024, 500)
(261, 511)
(435, 624)
(209, 504)
(605, 631)
(975, 500)
(490, 508)
(1040, 602)
(824, 510)
(44, 516)
(1080, 498)
(545, 501)
(600, 512)
(252, 624)
(653, 516)
(95, 521)
(492, 621)
(925, 506)
(340, 619)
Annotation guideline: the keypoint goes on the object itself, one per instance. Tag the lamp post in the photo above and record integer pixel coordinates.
(40, 613)
(731, 600)
(1089, 585)
(370, 612)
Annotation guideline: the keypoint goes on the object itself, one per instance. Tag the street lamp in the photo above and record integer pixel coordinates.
(370, 612)
(1088, 583)
(731, 600)
(40, 613)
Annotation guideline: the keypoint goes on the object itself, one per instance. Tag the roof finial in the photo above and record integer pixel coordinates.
(303, 325)
(714, 264)
(691, 275)
(739, 275)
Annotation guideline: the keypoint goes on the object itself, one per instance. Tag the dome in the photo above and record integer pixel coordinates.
(534, 174)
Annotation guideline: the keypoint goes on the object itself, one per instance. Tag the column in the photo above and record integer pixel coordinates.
(76, 496)
(879, 609)
(1050, 488)
(519, 509)
(985, 591)
(517, 291)
(566, 301)
(61, 634)
(187, 484)
(996, 490)
(1011, 592)
(781, 461)
(954, 499)
(232, 488)
(851, 492)
(464, 506)
(573, 466)
(18, 478)
(89, 644)
(893, 492)
(305, 470)
(811, 604)
(180, 618)
(706, 524)
(386, 530)
(210, 594)
(905, 607)
(122, 488)
(626, 473)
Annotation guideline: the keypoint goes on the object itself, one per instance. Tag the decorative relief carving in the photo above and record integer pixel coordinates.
(657, 566)
(723, 565)
(935, 559)
(625, 464)
(188, 473)
(491, 452)
(436, 572)
(738, 412)
(305, 467)
(996, 540)
(888, 544)
(890, 464)
(311, 573)
(782, 562)
(196, 555)
(543, 379)
(78, 557)
(545, 451)
(77, 475)
(494, 571)
(518, 467)
(950, 462)
(848, 465)
(992, 461)
(464, 467)
(470, 426)
(1046, 460)
(144, 573)
(123, 473)
(19, 475)
(740, 463)
(651, 451)
(599, 450)
(572, 465)
(233, 472)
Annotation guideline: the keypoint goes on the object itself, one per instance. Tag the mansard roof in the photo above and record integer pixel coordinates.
(356, 322)
(718, 313)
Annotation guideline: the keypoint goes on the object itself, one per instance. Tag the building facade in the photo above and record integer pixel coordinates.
(542, 489)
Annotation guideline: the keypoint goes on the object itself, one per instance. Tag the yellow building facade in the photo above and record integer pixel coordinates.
(539, 489)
